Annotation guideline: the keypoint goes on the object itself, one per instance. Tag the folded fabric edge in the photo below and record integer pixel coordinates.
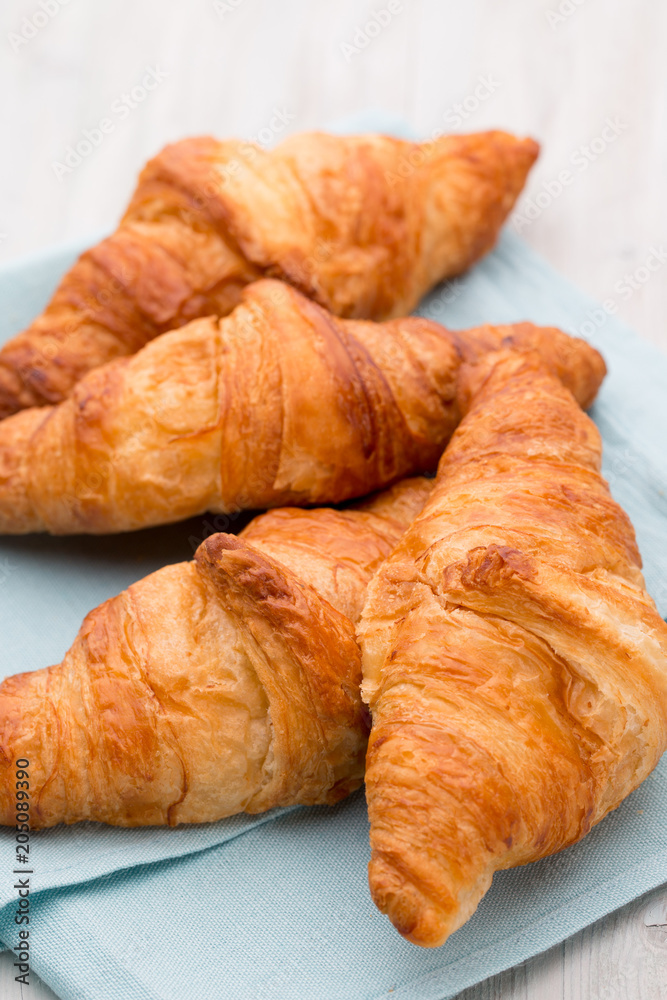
(547, 932)
(550, 930)
(253, 824)
(101, 968)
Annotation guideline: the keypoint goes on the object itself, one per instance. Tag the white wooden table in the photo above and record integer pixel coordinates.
(585, 77)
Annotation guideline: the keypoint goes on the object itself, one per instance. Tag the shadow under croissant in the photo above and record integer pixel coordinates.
(163, 544)
(49, 583)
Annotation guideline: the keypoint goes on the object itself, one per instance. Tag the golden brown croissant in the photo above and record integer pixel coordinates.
(225, 684)
(279, 403)
(514, 664)
(363, 224)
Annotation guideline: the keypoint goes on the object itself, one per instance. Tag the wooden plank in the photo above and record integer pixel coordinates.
(11, 990)
(619, 958)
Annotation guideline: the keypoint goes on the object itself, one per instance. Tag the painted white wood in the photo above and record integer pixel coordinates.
(559, 77)
(11, 990)
(618, 958)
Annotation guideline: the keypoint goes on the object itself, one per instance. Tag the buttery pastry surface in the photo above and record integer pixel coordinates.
(229, 683)
(365, 225)
(514, 664)
(279, 403)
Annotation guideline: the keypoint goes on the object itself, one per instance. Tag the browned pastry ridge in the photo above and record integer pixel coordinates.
(225, 684)
(364, 225)
(515, 667)
(279, 403)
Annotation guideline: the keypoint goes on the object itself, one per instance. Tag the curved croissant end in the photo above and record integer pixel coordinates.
(515, 667)
(206, 689)
(279, 403)
(305, 656)
(226, 684)
(365, 225)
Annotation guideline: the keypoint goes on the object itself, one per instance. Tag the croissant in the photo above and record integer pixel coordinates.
(226, 684)
(515, 667)
(363, 224)
(279, 403)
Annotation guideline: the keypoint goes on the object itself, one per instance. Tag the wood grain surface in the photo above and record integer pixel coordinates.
(585, 77)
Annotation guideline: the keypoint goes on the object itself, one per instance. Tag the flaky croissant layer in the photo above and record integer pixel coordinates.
(515, 667)
(365, 225)
(225, 684)
(279, 403)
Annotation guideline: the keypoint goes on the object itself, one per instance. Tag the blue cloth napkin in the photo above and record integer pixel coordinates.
(278, 906)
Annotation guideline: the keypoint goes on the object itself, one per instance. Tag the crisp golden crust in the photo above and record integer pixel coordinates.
(365, 225)
(15, 459)
(279, 403)
(226, 684)
(579, 367)
(515, 667)
(305, 656)
(338, 551)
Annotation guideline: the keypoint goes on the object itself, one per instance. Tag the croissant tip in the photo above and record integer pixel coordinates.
(215, 545)
(414, 917)
(517, 157)
(230, 561)
(521, 159)
(524, 146)
(531, 147)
